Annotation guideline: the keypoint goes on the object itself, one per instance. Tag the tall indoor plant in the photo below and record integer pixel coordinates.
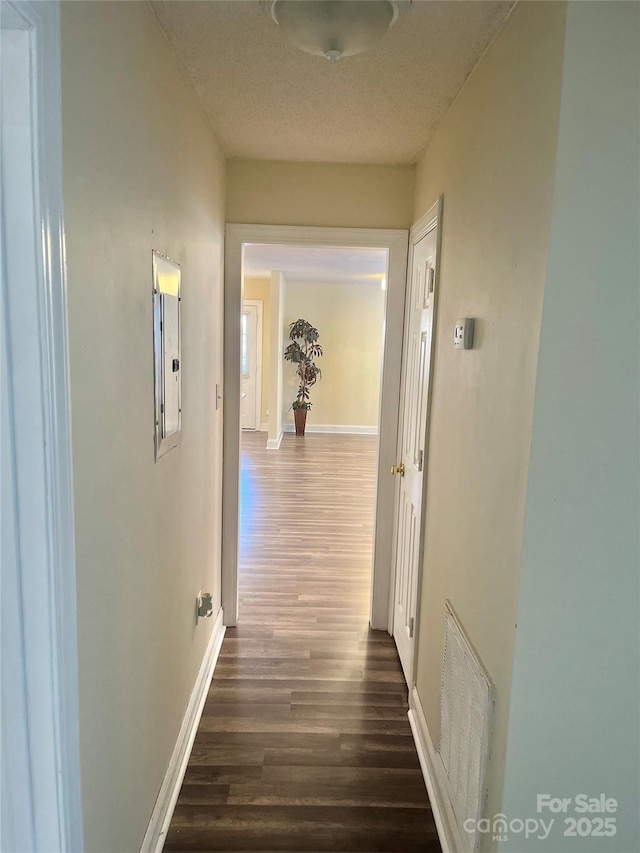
(302, 351)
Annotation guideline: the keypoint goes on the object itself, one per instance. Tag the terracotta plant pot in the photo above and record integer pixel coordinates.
(300, 417)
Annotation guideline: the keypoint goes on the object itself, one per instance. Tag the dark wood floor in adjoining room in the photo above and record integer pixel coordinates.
(304, 744)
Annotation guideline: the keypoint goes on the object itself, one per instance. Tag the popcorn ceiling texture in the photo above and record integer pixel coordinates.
(269, 101)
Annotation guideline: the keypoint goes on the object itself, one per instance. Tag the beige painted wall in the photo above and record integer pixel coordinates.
(575, 702)
(493, 158)
(142, 171)
(350, 320)
(334, 194)
(260, 289)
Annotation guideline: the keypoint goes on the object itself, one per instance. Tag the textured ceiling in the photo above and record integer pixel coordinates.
(317, 265)
(269, 101)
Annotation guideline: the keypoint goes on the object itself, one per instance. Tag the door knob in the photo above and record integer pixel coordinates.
(398, 469)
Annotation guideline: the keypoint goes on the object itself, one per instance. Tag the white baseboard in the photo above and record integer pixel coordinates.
(274, 443)
(156, 833)
(340, 429)
(448, 832)
(264, 427)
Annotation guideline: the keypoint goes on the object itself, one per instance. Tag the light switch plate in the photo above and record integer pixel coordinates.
(463, 337)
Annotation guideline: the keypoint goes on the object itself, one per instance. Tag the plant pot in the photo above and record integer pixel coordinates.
(300, 418)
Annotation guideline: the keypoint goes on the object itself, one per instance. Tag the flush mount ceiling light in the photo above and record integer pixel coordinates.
(335, 28)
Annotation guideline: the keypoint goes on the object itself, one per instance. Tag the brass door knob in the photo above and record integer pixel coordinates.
(398, 469)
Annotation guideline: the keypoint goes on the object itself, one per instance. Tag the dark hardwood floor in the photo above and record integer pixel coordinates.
(304, 744)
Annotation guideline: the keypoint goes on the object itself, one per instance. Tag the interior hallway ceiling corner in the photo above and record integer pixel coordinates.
(269, 101)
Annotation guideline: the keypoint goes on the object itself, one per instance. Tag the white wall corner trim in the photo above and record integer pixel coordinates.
(338, 429)
(42, 807)
(447, 830)
(156, 833)
(274, 443)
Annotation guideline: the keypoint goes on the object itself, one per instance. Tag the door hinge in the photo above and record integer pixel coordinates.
(411, 627)
(420, 455)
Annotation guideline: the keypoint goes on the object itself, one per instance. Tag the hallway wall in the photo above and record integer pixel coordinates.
(493, 159)
(261, 192)
(349, 317)
(142, 171)
(575, 703)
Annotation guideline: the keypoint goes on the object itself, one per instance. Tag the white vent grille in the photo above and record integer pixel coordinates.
(466, 703)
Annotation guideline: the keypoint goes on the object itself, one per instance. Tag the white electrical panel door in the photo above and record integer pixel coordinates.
(168, 367)
(170, 314)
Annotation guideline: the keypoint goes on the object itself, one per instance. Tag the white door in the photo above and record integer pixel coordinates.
(251, 359)
(412, 436)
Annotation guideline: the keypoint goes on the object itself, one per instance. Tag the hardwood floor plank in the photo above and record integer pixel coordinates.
(344, 712)
(302, 828)
(355, 776)
(324, 726)
(304, 743)
(367, 793)
(342, 758)
(300, 740)
(199, 795)
(298, 697)
(239, 709)
(231, 755)
(220, 774)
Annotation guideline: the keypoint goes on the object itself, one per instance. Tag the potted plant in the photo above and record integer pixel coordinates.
(302, 351)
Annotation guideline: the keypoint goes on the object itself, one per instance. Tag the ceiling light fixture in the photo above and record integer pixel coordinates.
(335, 28)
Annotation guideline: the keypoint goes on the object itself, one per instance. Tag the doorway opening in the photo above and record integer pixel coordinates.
(312, 496)
(333, 436)
(253, 382)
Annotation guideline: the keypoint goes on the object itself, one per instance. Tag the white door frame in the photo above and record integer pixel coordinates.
(396, 242)
(40, 783)
(259, 332)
